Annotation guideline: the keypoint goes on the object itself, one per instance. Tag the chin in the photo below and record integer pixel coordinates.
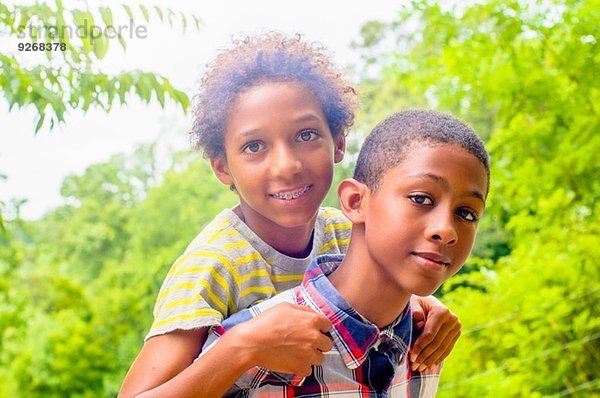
(296, 219)
(295, 222)
(424, 289)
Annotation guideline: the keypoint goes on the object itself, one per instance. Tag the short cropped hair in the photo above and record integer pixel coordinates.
(397, 135)
(271, 57)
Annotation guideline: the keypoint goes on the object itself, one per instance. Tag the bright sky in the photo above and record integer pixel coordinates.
(36, 165)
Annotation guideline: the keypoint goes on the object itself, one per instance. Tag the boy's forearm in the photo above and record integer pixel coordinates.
(211, 375)
(287, 338)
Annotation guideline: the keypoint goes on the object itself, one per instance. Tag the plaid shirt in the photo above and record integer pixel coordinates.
(364, 361)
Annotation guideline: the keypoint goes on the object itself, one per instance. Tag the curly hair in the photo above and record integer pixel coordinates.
(271, 57)
(397, 135)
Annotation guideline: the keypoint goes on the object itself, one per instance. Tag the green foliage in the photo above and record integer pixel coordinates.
(169, 216)
(70, 78)
(525, 75)
(77, 287)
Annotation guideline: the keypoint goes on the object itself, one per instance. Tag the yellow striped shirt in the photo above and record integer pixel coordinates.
(227, 267)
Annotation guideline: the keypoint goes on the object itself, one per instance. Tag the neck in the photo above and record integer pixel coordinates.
(291, 241)
(366, 286)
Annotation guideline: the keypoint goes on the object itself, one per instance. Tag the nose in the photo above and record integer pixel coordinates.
(284, 161)
(441, 229)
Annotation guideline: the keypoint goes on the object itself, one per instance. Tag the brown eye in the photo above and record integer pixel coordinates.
(307, 135)
(421, 199)
(252, 147)
(467, 215)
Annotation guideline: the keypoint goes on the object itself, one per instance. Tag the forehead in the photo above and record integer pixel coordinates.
(273, 104)
(265, 95)
(449, 165)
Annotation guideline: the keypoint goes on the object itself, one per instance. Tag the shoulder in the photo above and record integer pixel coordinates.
(332, 215)
(220, 244)
(334, 228)
(334, 221)
(219, 233)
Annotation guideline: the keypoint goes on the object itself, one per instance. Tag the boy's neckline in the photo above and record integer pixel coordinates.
(276, 258)
(284, 237)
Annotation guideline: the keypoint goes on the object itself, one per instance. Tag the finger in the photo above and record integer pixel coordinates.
(432, 347)
(418, 314)
(439, 323)
(304, 371)
(424, 340)
(323, 323)
(418, 319)
(318, 320)
(318, 358)
(430, 356)
(324, 344)
(300, 307)
(443, 350)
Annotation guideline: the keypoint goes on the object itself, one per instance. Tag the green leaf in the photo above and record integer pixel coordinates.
(40, 122)
(107, 17)
(182, 98)
(3, 12)
(159, 90)
(84, 22)
(183, 22)
(128, 11)
(2, 227)
(144, 88)
(100, 46)
(159, 13)
(171, 15)
(197, 21)
(145, 12)
(122, 41)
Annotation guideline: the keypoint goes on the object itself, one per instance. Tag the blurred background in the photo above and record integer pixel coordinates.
(99, 192)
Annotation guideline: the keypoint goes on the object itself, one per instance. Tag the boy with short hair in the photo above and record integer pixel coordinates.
(418, 191)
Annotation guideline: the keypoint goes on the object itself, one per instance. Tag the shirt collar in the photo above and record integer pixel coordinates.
(353, 335)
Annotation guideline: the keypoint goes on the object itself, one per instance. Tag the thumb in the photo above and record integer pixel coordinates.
(418, 317)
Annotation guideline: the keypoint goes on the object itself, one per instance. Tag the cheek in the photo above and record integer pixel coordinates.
(467, 239)
(388, 231)
(322, 163)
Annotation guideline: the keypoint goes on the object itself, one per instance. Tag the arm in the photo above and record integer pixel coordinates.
(286, 338)
(440, 329)
(162, 358)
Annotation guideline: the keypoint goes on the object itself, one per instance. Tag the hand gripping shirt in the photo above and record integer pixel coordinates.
(227, 267)
(364, 362)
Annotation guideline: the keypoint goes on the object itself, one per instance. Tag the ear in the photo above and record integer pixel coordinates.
(352, 195)
(340, 147)
(219, 166)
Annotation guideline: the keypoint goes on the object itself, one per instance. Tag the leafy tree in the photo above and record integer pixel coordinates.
(524, 74)
(67, 76)
(70, 78)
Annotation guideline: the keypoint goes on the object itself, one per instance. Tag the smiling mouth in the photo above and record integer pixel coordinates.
(435, 258)
(291, 195)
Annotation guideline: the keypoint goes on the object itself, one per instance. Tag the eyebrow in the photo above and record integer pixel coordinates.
(445, 185)
(309, 117)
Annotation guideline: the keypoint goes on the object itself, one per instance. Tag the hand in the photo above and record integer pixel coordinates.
(287, 338)
(440, 329)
